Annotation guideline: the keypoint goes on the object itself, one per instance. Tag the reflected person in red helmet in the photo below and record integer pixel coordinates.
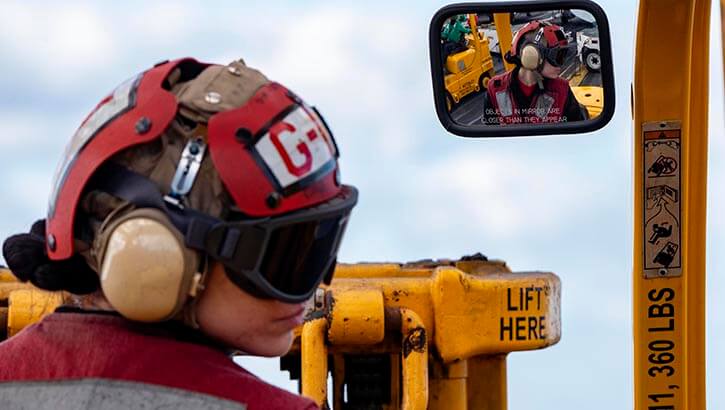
(193, 214)
(533, 92)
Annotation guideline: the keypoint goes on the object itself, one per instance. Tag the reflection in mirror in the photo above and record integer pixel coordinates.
(521, 68)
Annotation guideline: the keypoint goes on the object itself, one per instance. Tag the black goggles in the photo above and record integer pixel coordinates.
(556, 56)
(285, 257)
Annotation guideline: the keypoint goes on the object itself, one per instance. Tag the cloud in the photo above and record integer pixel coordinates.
(158, 24)
(21, 130)
(506, 195)
(30, 192)
(346, 62)
(59, 43)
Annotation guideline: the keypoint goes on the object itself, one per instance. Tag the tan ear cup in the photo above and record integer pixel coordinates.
(146, 271)
(530, 57)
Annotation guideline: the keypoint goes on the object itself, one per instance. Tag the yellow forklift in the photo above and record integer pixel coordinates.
(468, 71)
(436, 334)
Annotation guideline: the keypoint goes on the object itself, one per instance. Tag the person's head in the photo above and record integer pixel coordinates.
(195, 192)
(539, 46)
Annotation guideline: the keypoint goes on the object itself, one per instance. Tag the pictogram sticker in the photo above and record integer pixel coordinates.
(662, 199)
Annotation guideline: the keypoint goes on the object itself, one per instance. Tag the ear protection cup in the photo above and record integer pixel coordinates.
(531, 58)
(146, 272)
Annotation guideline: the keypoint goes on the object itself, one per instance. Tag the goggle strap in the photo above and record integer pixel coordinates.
(218, 239)
(195, 236)
(222, 243)
(330, 272)
(228, 246)
(140, 191)
(201, 232)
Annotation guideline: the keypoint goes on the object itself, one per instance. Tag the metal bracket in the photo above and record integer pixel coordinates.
(187, 170)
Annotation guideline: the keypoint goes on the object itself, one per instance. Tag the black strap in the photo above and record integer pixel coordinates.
(202, 232)
(144, 193)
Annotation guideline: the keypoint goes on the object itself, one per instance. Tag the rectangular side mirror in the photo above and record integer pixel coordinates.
(522, 68)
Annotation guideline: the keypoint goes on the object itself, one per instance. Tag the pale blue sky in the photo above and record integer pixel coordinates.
(560, 203)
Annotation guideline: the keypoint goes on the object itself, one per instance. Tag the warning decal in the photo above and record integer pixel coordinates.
(662, 200)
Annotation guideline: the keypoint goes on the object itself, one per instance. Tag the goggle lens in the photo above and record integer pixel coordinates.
(299, 255)
(293, 254)
(557, 56)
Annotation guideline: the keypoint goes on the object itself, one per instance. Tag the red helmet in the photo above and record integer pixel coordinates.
(274, 154)
(548, 39)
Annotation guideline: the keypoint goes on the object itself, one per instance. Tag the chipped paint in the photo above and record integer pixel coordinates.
(415, 341)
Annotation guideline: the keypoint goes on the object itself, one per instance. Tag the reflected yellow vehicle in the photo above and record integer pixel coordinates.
(468, 71)
(591, 97)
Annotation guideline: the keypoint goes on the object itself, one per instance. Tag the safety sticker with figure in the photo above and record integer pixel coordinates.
(662, 200)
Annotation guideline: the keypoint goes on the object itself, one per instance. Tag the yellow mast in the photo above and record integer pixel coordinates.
(670, 94)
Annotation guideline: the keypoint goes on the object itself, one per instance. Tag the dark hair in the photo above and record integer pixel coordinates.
(26, 257)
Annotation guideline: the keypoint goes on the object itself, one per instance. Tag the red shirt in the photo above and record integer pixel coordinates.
(528, 90)
(80, 345)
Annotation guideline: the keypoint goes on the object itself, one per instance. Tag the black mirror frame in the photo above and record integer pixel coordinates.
(483, 131)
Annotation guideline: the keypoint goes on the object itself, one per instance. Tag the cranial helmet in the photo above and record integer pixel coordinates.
(189, 161)
(538, 42)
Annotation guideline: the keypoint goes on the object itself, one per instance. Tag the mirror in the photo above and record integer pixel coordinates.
(522, 68)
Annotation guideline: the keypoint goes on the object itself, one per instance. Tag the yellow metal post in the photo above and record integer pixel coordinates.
(314, 361)
(415, 361)
(505, 36)
(487, 383)
(447, 387)
(670, 171)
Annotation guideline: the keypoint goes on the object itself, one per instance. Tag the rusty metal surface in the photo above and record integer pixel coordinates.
(496, 313)
(357, 317)
(468, 315)
(415, 362)
(442, 323)
(489, 310)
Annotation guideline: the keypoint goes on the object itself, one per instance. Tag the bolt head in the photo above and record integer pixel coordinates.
(51, 241)
(273, 200)
(319, 298)
(213, 97)
(143, 125)
(244, 136)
